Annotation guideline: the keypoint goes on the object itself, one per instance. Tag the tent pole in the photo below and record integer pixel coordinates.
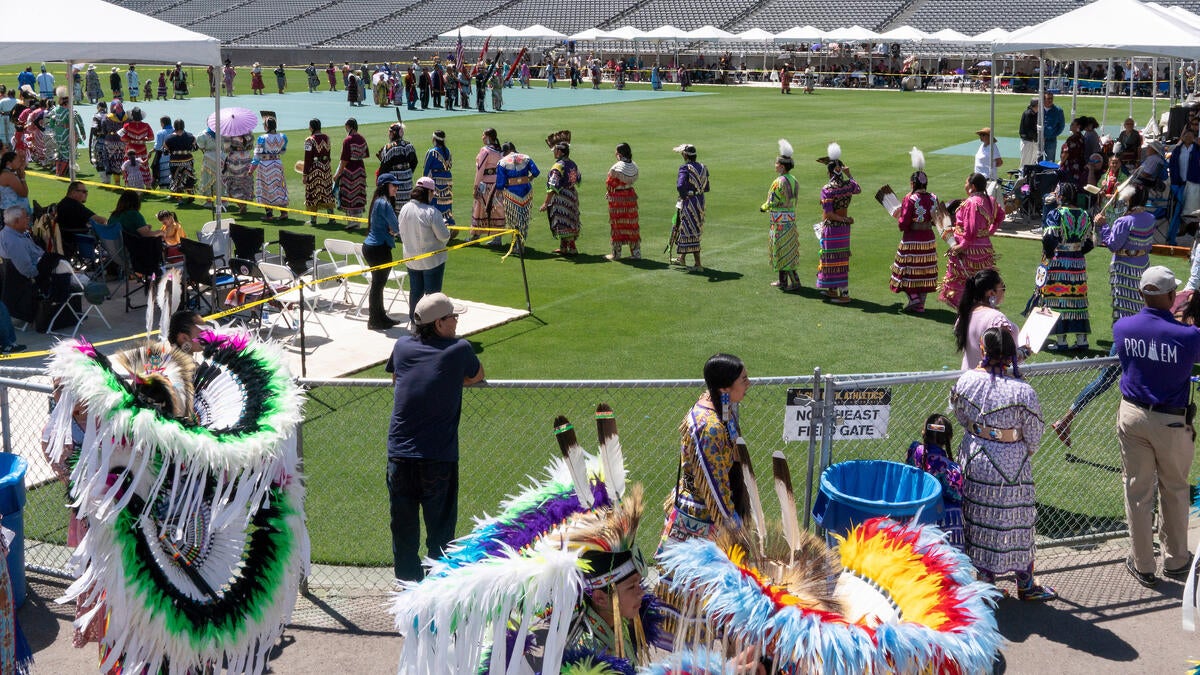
(992, 119)
(1107, 85)
(1154, 88)
(220, 182)
(72, 141)
(1042, 107)
(1074, 86)
(1131, 86)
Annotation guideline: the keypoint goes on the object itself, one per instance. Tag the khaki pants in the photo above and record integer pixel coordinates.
(1155, 449)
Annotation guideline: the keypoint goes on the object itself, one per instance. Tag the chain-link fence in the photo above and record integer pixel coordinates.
(506, 437)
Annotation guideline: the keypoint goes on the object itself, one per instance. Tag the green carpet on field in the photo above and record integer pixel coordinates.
(594, 319)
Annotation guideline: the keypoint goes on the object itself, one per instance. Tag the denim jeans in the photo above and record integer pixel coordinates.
(422, 283)
(415, 485)
(8, 335)
(1099, 385)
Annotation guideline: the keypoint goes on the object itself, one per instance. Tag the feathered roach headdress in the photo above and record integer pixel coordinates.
(569, 534)
(196, 549)
(832, 159)
(785, 154)
(919, 179)
(892, 598)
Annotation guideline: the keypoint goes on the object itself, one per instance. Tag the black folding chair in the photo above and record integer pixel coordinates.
(249, 243)
(299, 251)
(145, 265)
(200, 276)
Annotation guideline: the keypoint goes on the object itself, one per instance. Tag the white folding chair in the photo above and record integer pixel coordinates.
(341, 254)
(285, 293)
(215, 233)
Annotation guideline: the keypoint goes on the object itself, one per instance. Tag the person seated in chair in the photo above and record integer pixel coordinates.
(75, 218)
(31, 260)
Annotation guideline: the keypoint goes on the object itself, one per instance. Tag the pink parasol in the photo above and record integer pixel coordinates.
(234, 121)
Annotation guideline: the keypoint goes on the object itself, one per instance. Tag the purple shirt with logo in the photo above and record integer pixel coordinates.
(1156, 353)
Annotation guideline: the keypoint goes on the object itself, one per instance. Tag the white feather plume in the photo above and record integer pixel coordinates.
(833, 152)
(785, 148)
(918, 159)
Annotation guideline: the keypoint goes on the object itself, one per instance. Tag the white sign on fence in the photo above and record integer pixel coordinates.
(860, 414)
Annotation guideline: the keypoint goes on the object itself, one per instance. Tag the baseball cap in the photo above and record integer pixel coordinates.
(1158, 280)
(435, 306)
(426, 182)
(387, 179)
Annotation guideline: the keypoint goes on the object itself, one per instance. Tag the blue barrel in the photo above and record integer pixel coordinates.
(12, 505)
(1047, 164)
(854, 492)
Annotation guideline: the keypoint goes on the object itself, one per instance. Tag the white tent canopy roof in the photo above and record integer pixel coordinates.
(91, 30)
(708, 32)
(537, 30)
(904, 34)
(589, 34)
(991, 35)
(803, 33)
(464, 31)
(500, 30)
(754, 34)
(667, 32)
(951, 35)
(624, 33)
(1106, 28)
(853, 33)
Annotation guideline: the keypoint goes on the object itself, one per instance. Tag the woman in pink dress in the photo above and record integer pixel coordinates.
(975, 221)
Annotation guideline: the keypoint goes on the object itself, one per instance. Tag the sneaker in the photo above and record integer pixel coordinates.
(1036, 593)
(1181, 573)
(1146, 579)
(12, 349)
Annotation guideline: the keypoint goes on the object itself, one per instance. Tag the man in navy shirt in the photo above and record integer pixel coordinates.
(1156, 353)
(429, 369)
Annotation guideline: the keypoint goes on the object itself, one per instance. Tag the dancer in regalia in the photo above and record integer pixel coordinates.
(623, 205)
(317, 168)
(437, 166)
(351, 175)
(514, 175)
(914, 271)
(270, 185)
(975, 221)
(691, 184)
(1066, 239)
(562, 196)
(487, 211)
(833, 270)
(784, 241)
(399, 158)
(188, 479)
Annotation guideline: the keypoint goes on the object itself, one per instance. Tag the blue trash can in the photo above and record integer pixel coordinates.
(12, 506)
(854, 492)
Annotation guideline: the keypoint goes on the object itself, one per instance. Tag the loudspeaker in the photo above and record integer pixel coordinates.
(1175, 121)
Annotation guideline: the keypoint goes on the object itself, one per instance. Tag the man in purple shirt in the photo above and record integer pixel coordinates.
(1156, 353)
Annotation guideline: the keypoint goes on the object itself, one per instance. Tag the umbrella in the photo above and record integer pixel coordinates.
(234, 121)
(960, 71)
(984, 64)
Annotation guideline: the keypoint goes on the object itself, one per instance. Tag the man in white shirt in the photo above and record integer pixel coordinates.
(987, 157)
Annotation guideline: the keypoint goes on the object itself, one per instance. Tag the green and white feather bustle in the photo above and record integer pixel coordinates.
(197, 539)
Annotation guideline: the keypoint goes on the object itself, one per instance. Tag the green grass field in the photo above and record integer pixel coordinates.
(594, 319)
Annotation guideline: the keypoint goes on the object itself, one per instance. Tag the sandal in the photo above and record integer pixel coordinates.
(1063, 431)
(1037, 593)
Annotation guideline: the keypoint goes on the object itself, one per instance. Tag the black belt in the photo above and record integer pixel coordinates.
(1155, 408)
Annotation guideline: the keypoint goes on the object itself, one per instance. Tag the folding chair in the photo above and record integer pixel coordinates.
(249, 243)
(248, 286)
(110, 240)
(93, 294)
(341, 252)
(298, 251)
(215, 233)
(283, 286)
(92, 260)
(145, 256)
(201, 277)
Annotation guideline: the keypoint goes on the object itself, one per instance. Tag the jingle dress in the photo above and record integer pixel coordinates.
(239, 152)
(270, 186)
(915, 270)
(318, 173)
(210, 164)
(487, 210)
(110, 149)
(1066, 239)
(783, 240)
(399, 159)
(833, 268)
(352, 180)
(691, 186)
(138, 137)
(933, 460)
(437, 167)
(563, 211)
(998, 495)
(60, 127)
(1130, 239)
(975, 221)
(179, 149)
(514, 174)
(623, 205)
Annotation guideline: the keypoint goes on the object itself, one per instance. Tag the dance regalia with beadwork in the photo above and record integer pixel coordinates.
(437, 166)
(139, 137)
(60, 126)
(352, 180)
(210, 162)
(188, 479)
(934, 461)
(40, 151)
(784, 240)
(110, 149)
(514, 177)
(270, 185)
(181, 160)
(318, 173)
(487, 211)
(833, 267)
(975, 221)
(563, 211)
(1130, 239)
(399, 158)
(1066, 239)
(691, 185)
(623, 204)
(703, 499)
(999, 508)
(239, 152)
(915, 268)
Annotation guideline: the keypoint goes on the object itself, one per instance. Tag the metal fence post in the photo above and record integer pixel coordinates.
(5, 419)
(828, 421)
(815, 413)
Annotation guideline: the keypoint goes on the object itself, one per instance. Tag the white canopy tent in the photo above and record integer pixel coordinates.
(853, 34)
(707, 32)
(991, 35)
(755, 34)
(624, 33)
(501, 31)
(801, 33)
(949, 35)
(537, 30)
(462, 31)
(667, 32)
(586, 35)
(92, 30)
(903, 34)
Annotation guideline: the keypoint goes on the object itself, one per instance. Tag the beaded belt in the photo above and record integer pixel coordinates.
(1070, 247)
(519, 180)
(996, 434)
(489, 172)
(268, 156)
(1129, 252)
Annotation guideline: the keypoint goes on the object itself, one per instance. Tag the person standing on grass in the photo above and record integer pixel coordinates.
(399, 158)
(975, 221)
(270, 185)
(429, 370)
(514, 174)
(562, 200)
(784, 240)
(318, 172)
(438, 165)
(691, 184)
(382, 230)
(623, 205)
(914, 270)
(487, 211)
(351, 175)
(833, 270)
(1154, 428)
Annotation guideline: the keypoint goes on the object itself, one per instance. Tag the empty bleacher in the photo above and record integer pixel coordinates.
(418, 23)
(323, 23)
(683, 14)
(564, 17)
(779, 15)
(968, 18)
